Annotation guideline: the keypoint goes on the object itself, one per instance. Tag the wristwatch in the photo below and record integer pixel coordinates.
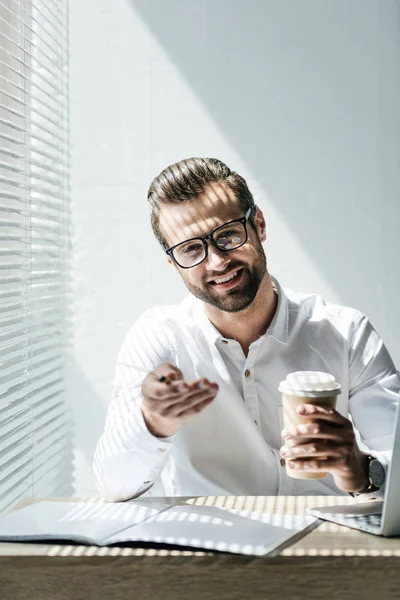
(376, 477)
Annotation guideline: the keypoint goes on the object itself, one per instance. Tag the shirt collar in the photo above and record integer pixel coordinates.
(278, 328)
(211, 333)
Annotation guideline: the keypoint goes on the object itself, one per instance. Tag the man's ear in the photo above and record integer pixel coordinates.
(171, 262)
(260, 224)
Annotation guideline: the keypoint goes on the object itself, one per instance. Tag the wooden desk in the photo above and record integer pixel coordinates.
(331, 562)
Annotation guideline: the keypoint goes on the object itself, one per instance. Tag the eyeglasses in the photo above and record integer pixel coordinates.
(229, 236)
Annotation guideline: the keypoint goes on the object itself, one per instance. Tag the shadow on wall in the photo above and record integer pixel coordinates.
(90, 415)
(307, 94)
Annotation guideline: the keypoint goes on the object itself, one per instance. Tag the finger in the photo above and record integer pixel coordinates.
(201, 383)
(317, 430)
(181, 390)
(178, 385)
(199, 386)
(322, 412)
(169, 371)
(181, 408)
(167, 376)
(165, 379)
(197, 408)
(170, 385)
(315, 465)
(178, 392)
(168, 400)
(316, 450)
(162, 391)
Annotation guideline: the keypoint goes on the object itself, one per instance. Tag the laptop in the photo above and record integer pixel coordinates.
(377, 517)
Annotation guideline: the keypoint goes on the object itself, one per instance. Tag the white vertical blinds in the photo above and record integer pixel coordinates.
(35, 430)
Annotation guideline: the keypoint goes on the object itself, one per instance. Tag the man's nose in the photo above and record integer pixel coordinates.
(216, 259)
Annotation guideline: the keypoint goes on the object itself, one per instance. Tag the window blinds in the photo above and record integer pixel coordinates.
(35, 431)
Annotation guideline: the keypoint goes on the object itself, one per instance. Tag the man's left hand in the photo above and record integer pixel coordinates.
(326, 444)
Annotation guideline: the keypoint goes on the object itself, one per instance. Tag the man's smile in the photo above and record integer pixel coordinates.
(228, 280)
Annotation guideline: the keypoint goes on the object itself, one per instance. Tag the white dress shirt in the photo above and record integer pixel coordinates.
(232, 446)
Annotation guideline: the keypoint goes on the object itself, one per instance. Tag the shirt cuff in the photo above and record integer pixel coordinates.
(140, 460)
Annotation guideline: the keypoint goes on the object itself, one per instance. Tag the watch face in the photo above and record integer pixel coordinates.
(376, 473)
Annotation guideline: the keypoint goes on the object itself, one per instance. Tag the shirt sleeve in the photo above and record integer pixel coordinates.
(374, 392)
(128, 458)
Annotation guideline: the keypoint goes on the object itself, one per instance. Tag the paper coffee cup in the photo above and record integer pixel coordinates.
(306, 387)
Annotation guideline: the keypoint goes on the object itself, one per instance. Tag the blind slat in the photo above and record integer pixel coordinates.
(44, 424)
(35, 430)
(21, 489)
(49, 470)
(51, 105)
(12, 356)
(19, 398)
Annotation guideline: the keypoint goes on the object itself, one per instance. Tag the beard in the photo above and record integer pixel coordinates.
(238, 298)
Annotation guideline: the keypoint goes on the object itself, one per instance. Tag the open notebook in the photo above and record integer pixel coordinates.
(203, 527)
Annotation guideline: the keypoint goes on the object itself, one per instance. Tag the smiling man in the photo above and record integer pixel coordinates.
(196, 408)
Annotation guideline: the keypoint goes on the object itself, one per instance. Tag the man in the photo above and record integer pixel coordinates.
(196, 408)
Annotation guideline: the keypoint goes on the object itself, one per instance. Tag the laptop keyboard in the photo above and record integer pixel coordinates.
(370, 523)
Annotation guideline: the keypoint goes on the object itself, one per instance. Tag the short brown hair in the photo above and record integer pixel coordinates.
(188, 179)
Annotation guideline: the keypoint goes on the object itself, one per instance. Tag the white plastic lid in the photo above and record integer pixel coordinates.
(303, 383)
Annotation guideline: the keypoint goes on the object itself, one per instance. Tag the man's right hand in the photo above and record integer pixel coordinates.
(170, 403)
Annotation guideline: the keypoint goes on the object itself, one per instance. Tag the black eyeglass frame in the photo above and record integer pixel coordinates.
(209, 236)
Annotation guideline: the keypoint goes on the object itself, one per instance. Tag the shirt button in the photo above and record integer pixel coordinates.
(282, 461)
(224, 341)
(247, 373)
(162, 449)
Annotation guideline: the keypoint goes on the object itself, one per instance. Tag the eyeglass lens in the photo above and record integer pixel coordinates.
(227, 237)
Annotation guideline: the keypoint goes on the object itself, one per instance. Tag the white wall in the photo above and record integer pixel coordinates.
(302, 98)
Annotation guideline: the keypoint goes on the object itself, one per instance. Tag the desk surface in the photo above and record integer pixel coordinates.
(329, 560)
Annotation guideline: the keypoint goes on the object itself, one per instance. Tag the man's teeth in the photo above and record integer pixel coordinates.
(225, 279)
